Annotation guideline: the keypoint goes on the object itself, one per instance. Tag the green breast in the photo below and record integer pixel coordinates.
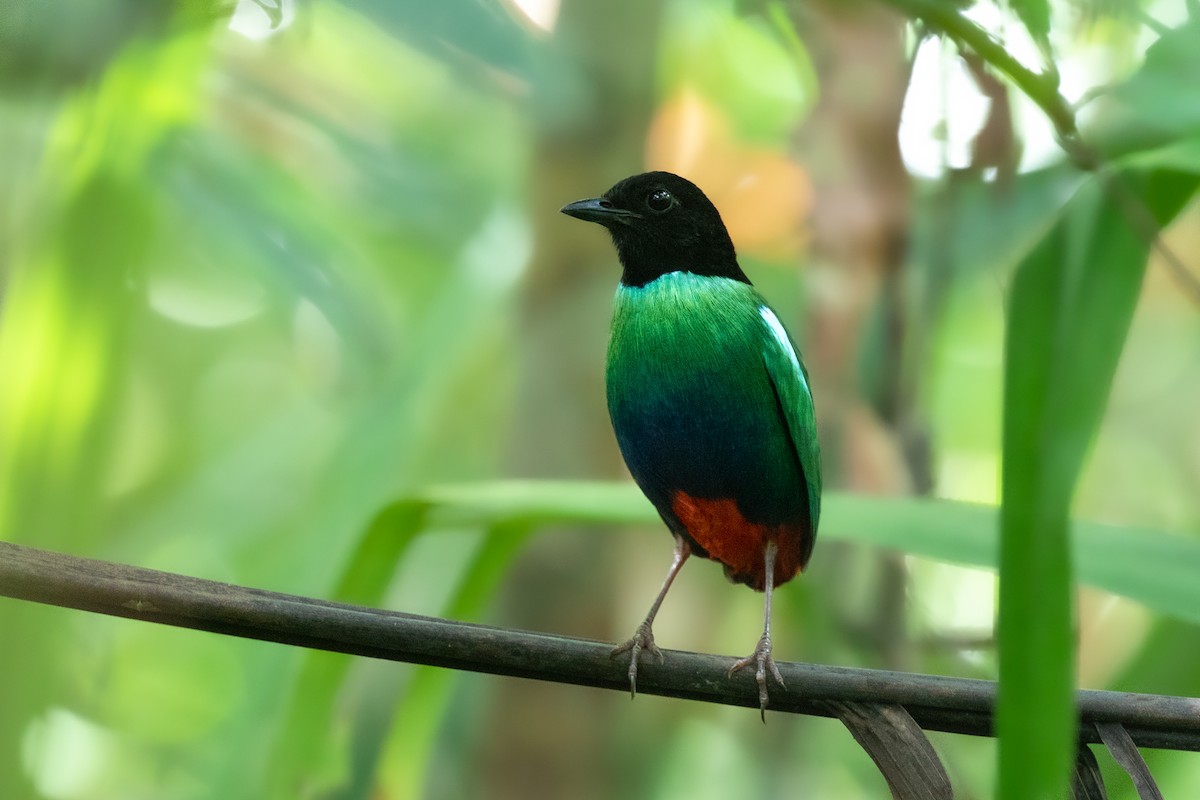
(691, 401)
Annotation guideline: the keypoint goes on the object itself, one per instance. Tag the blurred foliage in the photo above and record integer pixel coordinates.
(287, 303)
(1066, 329)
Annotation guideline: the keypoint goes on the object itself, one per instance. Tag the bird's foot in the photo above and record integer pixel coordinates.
(761, 657)
(642, 641)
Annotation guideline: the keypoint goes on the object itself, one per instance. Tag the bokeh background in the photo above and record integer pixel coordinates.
(269, 269)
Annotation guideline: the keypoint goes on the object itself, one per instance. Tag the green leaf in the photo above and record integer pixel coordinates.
(1157, 106)
(1071, 303)
(1181, 155)
(1035, 15)
(1154, 567)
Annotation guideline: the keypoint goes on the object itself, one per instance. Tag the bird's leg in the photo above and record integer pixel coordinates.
(761, 657)
(643, 637)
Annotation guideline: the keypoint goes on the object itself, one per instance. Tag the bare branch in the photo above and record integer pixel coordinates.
(957, 705)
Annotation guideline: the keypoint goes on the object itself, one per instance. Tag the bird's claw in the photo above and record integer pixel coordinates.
(642, 641)
(761, 658)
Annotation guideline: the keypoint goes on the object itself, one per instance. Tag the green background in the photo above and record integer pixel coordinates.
(290, 305)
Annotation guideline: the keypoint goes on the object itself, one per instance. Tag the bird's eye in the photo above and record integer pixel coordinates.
(659, 200)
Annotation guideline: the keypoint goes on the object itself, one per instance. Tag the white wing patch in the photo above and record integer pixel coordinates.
(781, 336)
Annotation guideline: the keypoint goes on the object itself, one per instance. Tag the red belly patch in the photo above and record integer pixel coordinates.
(728, 537)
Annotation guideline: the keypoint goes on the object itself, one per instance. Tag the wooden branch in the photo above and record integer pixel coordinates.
(957, 705)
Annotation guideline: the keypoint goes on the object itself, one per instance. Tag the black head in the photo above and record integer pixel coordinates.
(662, 223)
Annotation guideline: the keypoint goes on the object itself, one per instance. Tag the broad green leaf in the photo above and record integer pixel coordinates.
(983, 235)
(1182, 155)
(1071, 303)
(1154, 567)
(1035, 15)
(1158, 105)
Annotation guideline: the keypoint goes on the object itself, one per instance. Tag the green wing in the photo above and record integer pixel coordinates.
(790, 381)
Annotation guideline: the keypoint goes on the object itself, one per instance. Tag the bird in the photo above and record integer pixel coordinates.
(709, 400)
